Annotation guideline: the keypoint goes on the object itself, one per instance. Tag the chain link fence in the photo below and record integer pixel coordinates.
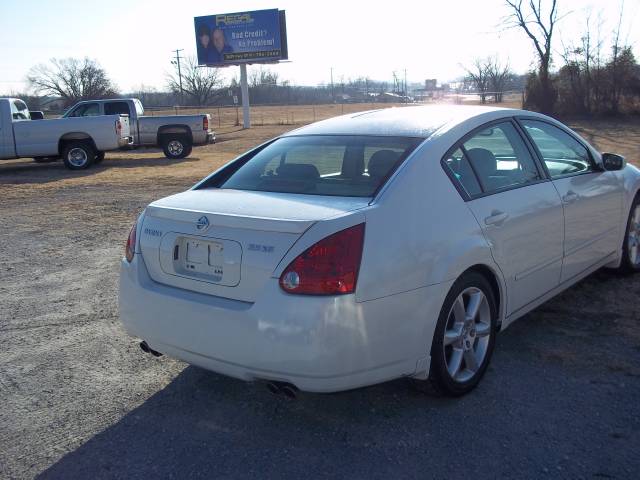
(286, 114)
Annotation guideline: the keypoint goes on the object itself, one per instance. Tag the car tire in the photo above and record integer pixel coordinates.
(462, 345)
(631, 243)
(176, 147)
(99, 157)
(78, 155)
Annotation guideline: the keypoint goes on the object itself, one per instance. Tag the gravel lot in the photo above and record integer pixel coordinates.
(80, 400)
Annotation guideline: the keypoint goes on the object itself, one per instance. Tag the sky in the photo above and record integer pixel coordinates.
(133, 40)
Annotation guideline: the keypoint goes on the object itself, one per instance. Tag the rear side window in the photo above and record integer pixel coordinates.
(86, 110)
(116, 108)
(500, 159)
(19, 110)
(340, 165)
(562, 154)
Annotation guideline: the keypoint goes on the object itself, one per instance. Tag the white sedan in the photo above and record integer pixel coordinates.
(385, 244)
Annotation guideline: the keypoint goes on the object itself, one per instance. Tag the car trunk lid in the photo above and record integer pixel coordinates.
(228, 242)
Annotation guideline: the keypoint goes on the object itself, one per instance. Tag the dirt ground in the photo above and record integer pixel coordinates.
(80, 400)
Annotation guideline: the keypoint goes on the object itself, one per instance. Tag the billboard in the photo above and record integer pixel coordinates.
(244, 37)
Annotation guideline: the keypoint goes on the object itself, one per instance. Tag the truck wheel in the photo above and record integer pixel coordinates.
(78, 155)
(99, 157)
(176, 147)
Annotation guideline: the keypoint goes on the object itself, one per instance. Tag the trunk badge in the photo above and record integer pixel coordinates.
(202, 224)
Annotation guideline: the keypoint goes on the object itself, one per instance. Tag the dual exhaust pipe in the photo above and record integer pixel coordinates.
(147, 349)
(287, 389)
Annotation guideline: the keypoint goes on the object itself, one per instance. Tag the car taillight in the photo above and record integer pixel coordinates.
(330, 267)
(131, 243)
(118, 127)
(205, 123)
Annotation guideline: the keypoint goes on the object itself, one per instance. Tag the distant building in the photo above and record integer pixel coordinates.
(431, 90)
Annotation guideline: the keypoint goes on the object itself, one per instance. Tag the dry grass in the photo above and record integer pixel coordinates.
(620, 136)
(276, 114)
(145, 168)
(304, 114)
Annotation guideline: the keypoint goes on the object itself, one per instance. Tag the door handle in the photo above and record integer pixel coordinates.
(496, 218)
(570, 197)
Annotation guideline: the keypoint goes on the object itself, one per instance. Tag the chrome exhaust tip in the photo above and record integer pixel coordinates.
(287, 389)
(147, 349)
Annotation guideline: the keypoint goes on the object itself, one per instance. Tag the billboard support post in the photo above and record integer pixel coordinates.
(244, 88)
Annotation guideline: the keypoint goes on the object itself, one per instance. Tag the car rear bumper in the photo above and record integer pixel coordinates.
(320, 344)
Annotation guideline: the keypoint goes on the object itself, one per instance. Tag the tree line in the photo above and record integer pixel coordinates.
(594, 78)
(72, 80)
(591, 81)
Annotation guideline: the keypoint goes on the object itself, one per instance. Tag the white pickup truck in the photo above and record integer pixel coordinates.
(175, 134)
(79, 141)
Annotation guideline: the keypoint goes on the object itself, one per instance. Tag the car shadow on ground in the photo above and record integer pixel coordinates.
(32, 172)
(526, 412)
(206, 425)
(521, 421)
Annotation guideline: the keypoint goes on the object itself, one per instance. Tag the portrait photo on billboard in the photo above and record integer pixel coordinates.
(244, 37)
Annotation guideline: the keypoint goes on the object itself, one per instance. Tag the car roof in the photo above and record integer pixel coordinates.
(410, 121)
(103, 100)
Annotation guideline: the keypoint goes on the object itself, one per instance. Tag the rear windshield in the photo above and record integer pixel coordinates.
(340, 165)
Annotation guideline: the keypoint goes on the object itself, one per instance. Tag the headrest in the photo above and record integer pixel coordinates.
(483, 161)
(299, 171)
(382, 162)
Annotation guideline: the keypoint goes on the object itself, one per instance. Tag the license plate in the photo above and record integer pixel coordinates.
(204, 257)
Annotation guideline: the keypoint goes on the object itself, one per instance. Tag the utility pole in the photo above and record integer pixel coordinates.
(332, 95)
(177, 62)
(406, 96)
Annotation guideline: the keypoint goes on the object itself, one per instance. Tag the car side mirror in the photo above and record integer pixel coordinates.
(36, 115)
(613, 161)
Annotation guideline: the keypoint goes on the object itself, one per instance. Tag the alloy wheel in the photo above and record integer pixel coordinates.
(633, 238)
(467, 334)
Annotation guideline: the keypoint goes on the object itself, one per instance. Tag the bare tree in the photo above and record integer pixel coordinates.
(589, 83)
(478, 76)
(71, 79)
(498, 74)
(615, 66)
(539, 27)
(202, 84)
(262, 76)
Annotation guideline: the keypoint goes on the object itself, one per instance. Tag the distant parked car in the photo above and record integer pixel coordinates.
(392, 243)
(175, 134)
(79, 141)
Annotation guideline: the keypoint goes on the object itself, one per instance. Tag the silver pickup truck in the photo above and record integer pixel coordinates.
(79, 141)
(176, 134)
